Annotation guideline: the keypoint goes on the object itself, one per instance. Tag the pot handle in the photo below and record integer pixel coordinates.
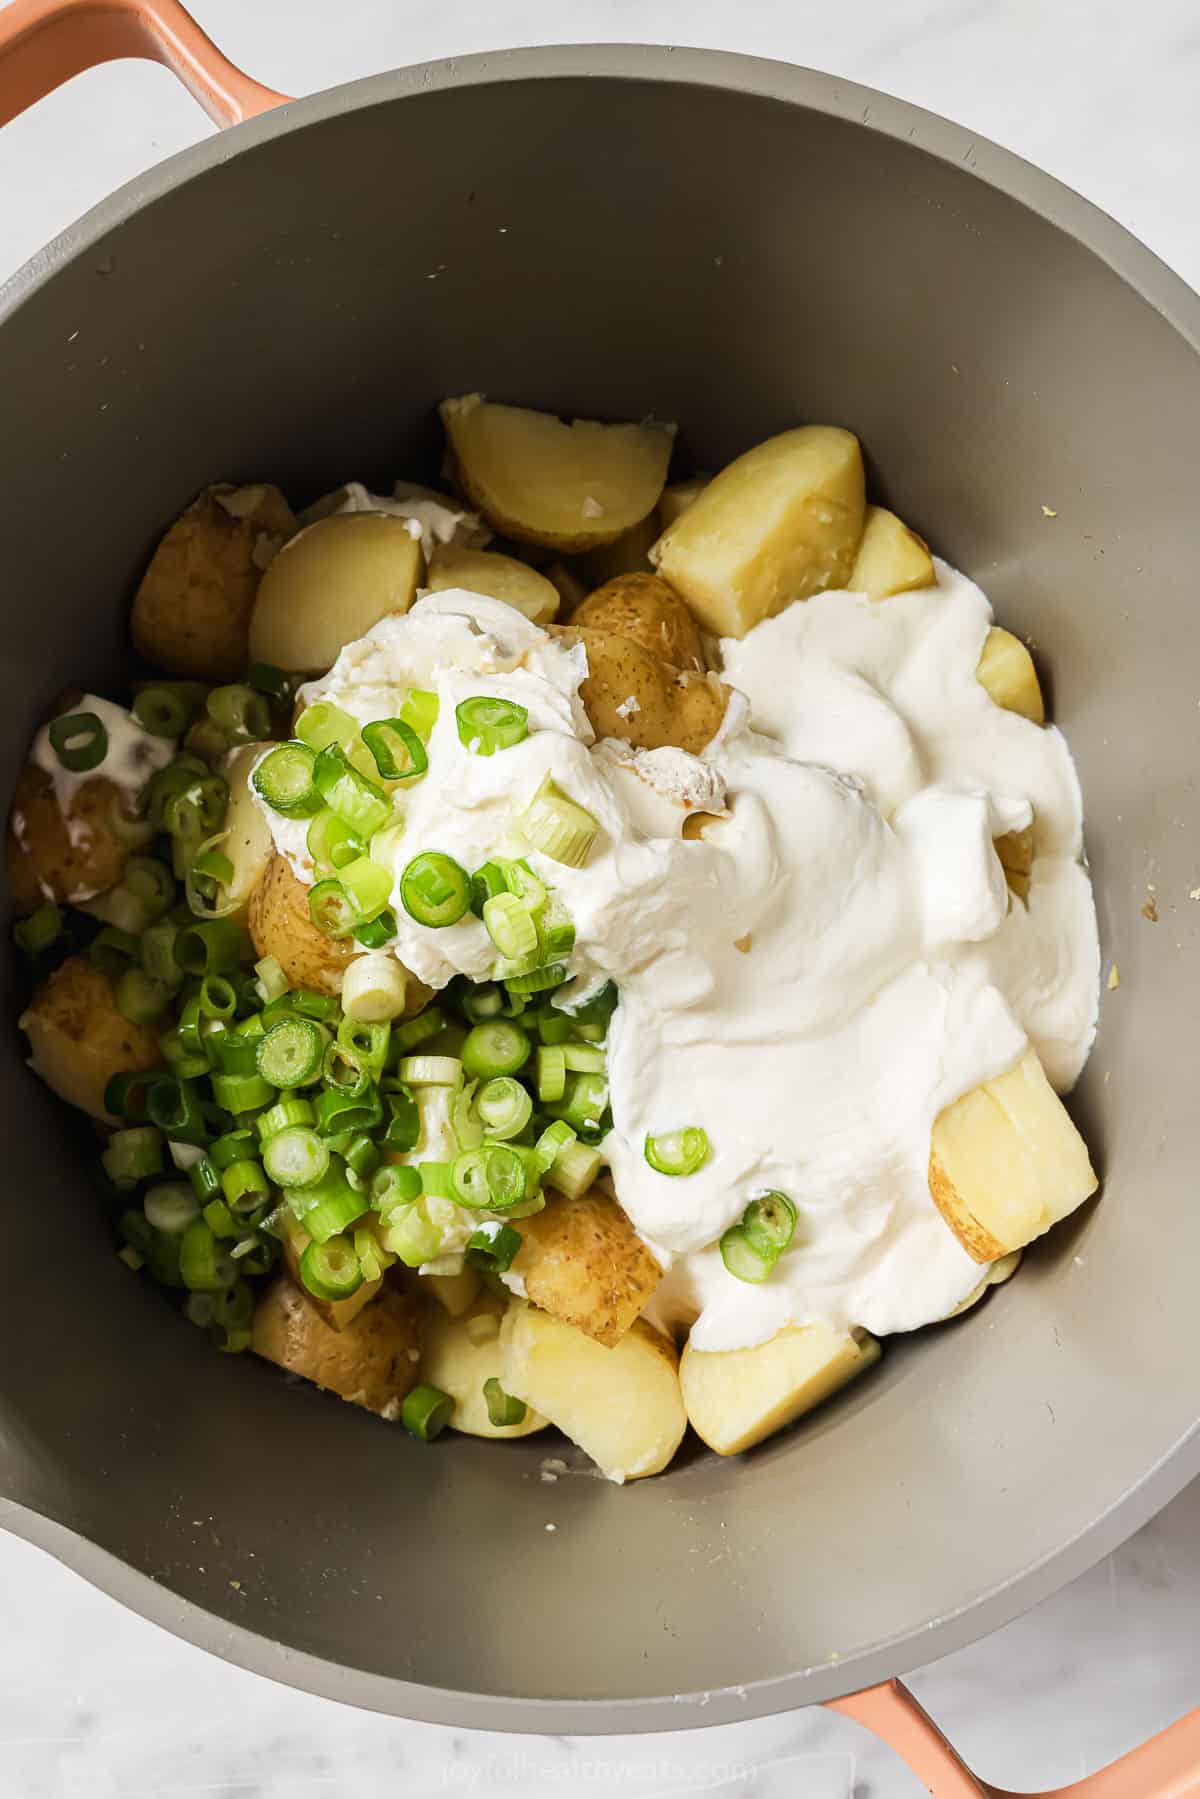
(45, 42)
(1167, 1767)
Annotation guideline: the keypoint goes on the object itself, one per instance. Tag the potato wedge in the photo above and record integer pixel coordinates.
(372, 1362)
(622, 1406)
(1015, 850)
(281, 926)
(458, 1355)
(66, 859)
(191, 613)
(582, 1261)
(782, 522)
(78, 1039)
(628, 555)
(646, 609)
(736, 1397)
(454, 1292)
(503, 577)
(247, 840)
(542, 481)
(678, 497)
(337, 1313)
(633, 694)
(1005, 669)
(891, 558)
(1006, 1162)
(330, 585)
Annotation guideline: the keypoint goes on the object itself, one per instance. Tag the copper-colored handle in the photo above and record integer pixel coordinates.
(44, 42)
(1167, 1767)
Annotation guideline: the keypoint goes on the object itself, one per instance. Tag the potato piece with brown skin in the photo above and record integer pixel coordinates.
(670, 707)
(63, 858)
(646, 609)
(281, 926)
(78, 1039)
(337, 1313)
(191, 614)
(582, 1261)
(372, 1362)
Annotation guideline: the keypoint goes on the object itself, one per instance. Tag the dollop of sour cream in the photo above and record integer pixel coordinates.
(131, 757)
(834, 960)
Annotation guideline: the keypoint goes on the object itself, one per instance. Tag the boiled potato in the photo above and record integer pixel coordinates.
(330, 585)
(646, 609)
(191, 614)
(503, 577)
(453, 1292)
(628, 555)
(1015, 850)
(997, 1274)
(891, 558)
(678, 497)
(1006, 1162)
(458, 1355)
(1005, 669)
(736, 1397)
(571, 590)
(782, 522)
(622, 1406)
(633, 694)
(281, 926)
(247, 841)
(78, 1039)
(65, 859)
(372, 1362)
(542, 481)
(582, 1261)
(337, 1313)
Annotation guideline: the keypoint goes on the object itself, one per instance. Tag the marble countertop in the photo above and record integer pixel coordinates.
(97, 1704)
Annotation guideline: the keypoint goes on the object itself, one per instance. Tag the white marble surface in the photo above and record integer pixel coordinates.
(96, 1704)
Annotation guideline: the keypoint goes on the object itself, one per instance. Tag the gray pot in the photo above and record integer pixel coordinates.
(618, 231)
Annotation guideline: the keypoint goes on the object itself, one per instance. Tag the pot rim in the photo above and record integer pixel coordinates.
(1179, 305)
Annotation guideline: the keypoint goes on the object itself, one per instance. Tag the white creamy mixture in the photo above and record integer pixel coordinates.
(131, 757)
(835, 961)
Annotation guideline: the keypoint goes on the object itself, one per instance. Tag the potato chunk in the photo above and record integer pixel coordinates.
(65, 858)
(1007, 1162)
(337, 1313)
(191, 614)
(781, 523)
(372, 1362)
(455, 1293)
(247, 840)
(622, 1406)
(646, 609)
(582, 1261)
(568, 487)
(891, 558)
(458, 1355)
(628, 555)
(1015, 850)
(78, 1039)
(503, 577)
(631, 693)
(330, 585)
(678, 497)
(281, 926)
(736, 1397)
(1005, 669)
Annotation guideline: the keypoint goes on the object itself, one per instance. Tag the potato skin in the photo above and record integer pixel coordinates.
(191, 613)
(371, 1362)
(281, 926)
(79, 1039)
(647, 609)
(582, 1261)
(674, 707)
(43, 863)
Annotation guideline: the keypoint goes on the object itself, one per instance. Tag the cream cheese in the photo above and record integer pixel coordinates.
(835, 960)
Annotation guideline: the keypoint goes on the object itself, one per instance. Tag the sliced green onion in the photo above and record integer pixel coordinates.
(584, 1058)
(374, 989)
(489, 880)
(219, 1219)
(234, 1146)
(240, 712)
(283, 1116)
(437, 1179)
(494, 1245)
(574, 1169)
(364, 1044)
(742, 1258)
(242, 1092)
(36, 933)
(553, 1028)
(591, 1033)
(139, 998)
(323, 723)
(79, 740)
(492, 1178)
(291, 1053)
(484, 1001)
(398, 751)
(164, 711)
(185, 1065)
(174, 1106)
(435, 890)
(349, 1110)
(244, 1184)
(557, 826)
(372, 1258)
(504, 1107)
(170, 1207)
(331, 843)
(538, 980)
(502, 1408)
(376, 933)
(551, 1072)
(394, 1186)
(204, 1266)
(329, 1206)
(369, 887)
(598, 1008)
(264, 677)
(331, 908)
(295, 1157)
(158, 952)
(770, 1223)
(211, 947)
(586, 1099)
(486, 725)
(363, 1156)
(556, 936)
(331, 1270)
(321, 1006)
(344, 1074)
(426, 1412)
(197, 809)
(272, 982)
(403, 1129)
(415, 1031)
(112, 950)
(522, 882)
(678, 1152)
(231, 1053)
(420, 711)
(125, 1095)
(509, 925)
(552, 1141)
(495, 1047)
(151, 882)
(411, 1235)
(206, 1182)
(285, 780)
(217, 997)
(430, 1071)
(357, 801)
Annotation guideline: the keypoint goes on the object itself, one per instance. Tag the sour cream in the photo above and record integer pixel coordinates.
(131, 757)
(812, 981)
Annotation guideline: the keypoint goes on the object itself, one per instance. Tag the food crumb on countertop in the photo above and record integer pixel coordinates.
(552, 1527)
(1049, 512)
(1114, 978)
(1150, 909)
(1194, 893)
(236, 1585)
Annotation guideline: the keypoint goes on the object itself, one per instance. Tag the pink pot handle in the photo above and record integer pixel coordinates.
(44, 42)
(1167, 1767)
